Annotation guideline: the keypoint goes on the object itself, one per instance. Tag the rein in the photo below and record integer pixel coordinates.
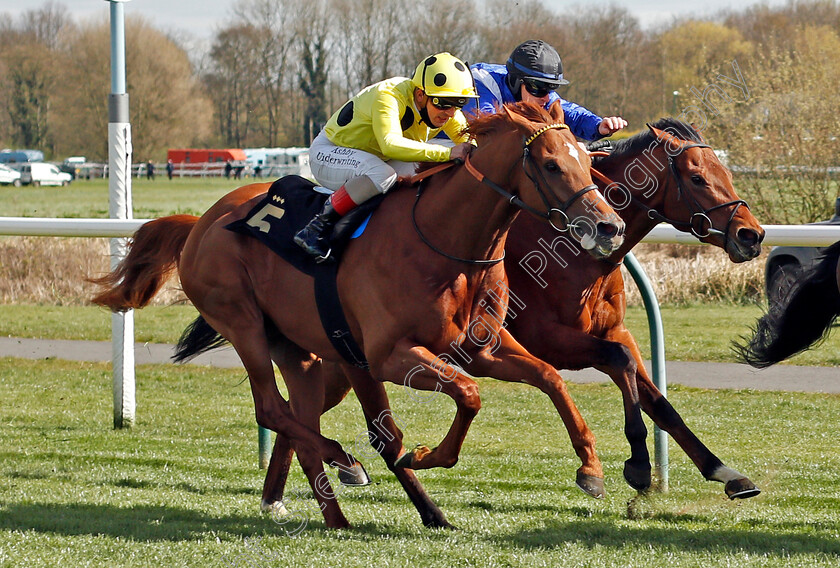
(699, 215)
(516, 201)
(509, 197)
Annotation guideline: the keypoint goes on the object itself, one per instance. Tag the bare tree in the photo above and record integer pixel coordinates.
(233, 81)
(314, 72)
(274, 23)
(441, 25)
(168, 108)
(28, 76)
(607, 64)
(507, 24)
(370, 35)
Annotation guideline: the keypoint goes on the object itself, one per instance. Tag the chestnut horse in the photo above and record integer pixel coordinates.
(575, 305)
(419, 290)
(803, 317)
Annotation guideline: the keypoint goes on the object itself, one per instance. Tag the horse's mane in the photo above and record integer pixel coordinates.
(640, 142)
(486, 122)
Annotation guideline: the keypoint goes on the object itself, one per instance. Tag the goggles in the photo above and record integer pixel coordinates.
(446, 103)
(539, 88)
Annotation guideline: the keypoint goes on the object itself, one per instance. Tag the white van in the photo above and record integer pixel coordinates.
(40, 173)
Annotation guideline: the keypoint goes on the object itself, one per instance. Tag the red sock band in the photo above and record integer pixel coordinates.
(341, 202)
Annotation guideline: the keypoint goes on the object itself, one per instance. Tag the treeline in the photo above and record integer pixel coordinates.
(760, 82)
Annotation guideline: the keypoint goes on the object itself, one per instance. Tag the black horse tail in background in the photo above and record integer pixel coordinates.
(800, 320)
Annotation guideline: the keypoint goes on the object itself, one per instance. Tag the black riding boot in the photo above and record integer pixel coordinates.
(314, 237)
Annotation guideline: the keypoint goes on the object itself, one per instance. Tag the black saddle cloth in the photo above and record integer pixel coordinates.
(291, 202)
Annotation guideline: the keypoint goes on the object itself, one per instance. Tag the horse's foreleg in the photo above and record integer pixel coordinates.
(417, 368)
(575, 349)
(668, 419)
(386, 439)
(511, 362)
(736, 484)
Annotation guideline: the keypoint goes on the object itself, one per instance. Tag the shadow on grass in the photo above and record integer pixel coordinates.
(690, 534)
(141, 523)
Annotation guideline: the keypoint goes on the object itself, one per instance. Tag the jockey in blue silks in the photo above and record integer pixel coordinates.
(532, 74)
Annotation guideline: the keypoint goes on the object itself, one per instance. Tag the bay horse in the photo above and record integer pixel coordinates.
(419, 291)
(801, 320)
(575, 304)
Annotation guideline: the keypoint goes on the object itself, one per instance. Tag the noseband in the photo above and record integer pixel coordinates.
(699, 215)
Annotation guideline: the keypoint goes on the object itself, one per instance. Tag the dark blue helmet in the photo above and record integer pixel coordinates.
(536, 64)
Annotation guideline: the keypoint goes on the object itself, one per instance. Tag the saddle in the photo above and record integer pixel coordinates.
(290, 203)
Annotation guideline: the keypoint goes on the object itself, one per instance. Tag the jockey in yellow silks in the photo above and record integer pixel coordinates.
(380, 133)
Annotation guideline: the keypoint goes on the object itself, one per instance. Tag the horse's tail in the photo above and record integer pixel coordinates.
(802, 319)
(153, 254)
(198, 338)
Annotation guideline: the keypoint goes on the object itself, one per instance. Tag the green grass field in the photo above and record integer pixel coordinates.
(89, 198)
(182, 487)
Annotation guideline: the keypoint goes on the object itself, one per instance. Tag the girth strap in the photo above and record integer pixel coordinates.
(332, 317)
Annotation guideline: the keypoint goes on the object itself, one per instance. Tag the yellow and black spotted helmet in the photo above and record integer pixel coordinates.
(444, 75)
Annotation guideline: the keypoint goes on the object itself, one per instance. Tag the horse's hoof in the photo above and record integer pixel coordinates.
(356, 476)
(591, 485)
(637, 477)
(405, 460)
(275, 509)
(438, 523)
(741, 488)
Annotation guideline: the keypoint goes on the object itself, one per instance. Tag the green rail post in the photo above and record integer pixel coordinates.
(265, 447)
(657, 347)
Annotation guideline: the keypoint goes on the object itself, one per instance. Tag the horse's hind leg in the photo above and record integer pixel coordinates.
(386, 439)
(335, 389)
(736, 484)
(331, 386)
(576, 349)
(243, 326)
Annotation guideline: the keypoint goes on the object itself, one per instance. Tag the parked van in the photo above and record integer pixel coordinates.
(40, 173)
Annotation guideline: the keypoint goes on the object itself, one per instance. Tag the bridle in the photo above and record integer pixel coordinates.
(513, 199)
(528, 160)
(699, 216)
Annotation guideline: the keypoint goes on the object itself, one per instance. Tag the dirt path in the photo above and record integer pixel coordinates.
(703, 375)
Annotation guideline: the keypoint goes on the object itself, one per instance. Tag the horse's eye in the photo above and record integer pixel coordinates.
(697, 180)
(552, 167)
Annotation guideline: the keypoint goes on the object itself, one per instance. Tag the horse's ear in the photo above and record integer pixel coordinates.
(556, 112)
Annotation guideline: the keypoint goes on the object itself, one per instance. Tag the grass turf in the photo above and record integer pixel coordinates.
(182, 487)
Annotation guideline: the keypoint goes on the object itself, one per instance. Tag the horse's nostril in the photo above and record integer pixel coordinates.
(608, 230)
(749, 237)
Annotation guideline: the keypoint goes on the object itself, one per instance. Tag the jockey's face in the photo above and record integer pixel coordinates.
(439, 116)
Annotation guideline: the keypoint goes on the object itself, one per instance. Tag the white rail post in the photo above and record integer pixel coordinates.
(119, 206)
